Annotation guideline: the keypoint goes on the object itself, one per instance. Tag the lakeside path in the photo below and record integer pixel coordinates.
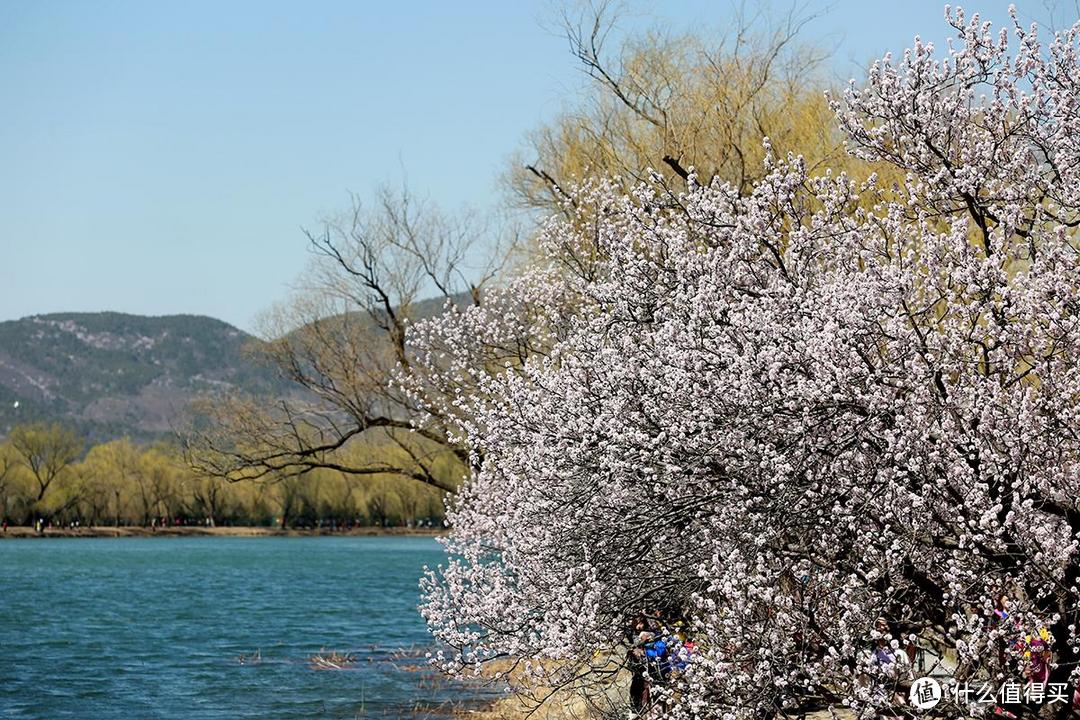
(24, 532)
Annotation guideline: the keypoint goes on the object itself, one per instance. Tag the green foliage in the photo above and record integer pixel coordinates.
(44, 475)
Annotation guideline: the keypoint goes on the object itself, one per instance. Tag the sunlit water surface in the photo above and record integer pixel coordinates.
(140, 628)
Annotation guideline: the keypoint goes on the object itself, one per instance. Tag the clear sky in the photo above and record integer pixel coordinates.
(162, 157)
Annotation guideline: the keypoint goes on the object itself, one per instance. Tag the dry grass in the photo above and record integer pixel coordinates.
(332, 660)
(250, 658)
(607, 698)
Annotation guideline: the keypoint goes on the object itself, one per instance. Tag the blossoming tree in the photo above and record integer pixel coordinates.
(778, 416)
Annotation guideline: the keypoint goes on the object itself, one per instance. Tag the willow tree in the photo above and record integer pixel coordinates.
(46, 454)
(8, 496)
(668, 103)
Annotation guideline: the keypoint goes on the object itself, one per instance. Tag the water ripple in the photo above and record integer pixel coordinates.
(212, 628)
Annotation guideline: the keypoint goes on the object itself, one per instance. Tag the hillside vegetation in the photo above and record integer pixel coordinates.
(113, 375)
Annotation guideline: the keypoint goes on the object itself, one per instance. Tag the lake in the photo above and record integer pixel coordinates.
(140, 628)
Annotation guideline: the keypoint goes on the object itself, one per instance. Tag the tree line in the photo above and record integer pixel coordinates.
(48, 475)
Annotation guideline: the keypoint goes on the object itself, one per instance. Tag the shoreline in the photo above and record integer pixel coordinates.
(23, 532)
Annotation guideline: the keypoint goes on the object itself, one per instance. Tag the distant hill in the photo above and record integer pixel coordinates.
(110, 374)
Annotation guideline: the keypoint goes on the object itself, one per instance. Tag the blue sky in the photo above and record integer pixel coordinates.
(161, 158)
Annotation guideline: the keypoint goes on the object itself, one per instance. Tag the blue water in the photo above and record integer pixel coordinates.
(141, 628)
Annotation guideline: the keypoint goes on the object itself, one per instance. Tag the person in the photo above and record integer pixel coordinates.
(1001, 610)
(999, 620)
(1011, 642)
(883, 653)
(886, 663)
(682, 647)
(1038, 657)
(658, 658)
(640, 682)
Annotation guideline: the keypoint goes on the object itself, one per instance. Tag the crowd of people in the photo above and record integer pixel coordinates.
(1016, 676)
(658, 648)
(1024, 648)
(655, 652)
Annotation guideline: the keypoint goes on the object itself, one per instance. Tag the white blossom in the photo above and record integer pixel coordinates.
(780, 416)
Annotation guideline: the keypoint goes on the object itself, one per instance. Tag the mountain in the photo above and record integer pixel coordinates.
(111, 374)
